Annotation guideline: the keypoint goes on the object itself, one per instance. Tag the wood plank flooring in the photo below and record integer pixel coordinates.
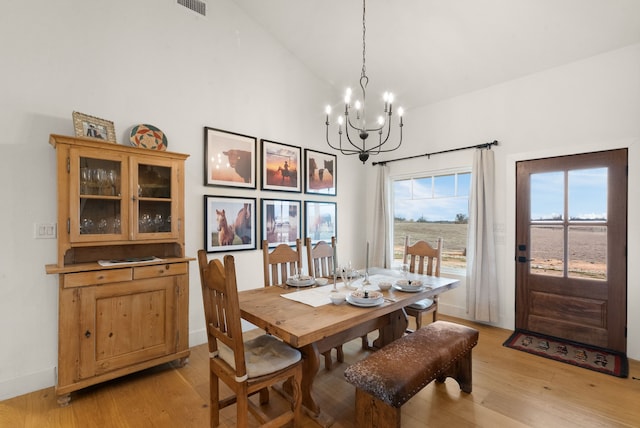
(510, 389)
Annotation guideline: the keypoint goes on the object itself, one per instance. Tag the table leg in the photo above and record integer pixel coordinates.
(310, 366)
(392, 331)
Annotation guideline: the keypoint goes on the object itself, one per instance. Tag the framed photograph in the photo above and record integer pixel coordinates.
(229, 159)
(230, 223)
(321, 172)
(93, 127)
(281, 221)
(320, 221)
(281, 165)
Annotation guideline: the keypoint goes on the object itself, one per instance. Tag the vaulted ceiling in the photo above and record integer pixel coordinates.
(429, 50)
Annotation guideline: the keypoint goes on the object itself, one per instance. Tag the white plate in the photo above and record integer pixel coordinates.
(372, 303)
(358, 296)
(300, 283)
(408, 288)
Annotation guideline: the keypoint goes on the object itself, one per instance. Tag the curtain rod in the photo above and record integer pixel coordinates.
(428, 155)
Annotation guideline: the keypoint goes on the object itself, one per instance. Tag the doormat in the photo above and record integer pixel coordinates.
(589, 357)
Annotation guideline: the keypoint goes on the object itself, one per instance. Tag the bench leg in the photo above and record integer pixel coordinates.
(460, 370)
(374, 413)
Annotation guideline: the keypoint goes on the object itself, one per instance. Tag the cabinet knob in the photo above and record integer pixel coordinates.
(87, 334)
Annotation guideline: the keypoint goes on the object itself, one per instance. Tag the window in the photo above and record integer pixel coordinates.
(430, 206)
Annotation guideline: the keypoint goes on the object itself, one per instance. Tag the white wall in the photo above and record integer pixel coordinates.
(585, 106)
(147, 61)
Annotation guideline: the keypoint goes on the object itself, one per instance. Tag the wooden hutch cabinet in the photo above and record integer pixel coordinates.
(123, 273)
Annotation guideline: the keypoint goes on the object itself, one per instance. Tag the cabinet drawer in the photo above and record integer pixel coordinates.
(160, 270)
(82, 279)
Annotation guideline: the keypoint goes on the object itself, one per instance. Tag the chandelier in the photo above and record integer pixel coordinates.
(357, 127)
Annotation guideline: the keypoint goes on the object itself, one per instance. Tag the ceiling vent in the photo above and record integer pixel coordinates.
(198, 6)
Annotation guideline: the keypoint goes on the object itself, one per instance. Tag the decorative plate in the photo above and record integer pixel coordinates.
(148, 137)
(304, 281)
(360, 297)
(371, 303)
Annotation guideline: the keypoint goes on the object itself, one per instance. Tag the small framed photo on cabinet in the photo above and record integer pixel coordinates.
(93, 127)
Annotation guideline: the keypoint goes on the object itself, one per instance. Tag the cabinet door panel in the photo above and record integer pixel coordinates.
(98, 196)
(156, 210)
(127, 323)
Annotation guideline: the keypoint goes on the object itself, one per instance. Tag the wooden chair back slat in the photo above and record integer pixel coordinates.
(421, 255)
(320, 258)
(281, 263)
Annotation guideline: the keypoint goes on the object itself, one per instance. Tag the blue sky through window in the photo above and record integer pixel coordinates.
(437, 198)
(587, 194)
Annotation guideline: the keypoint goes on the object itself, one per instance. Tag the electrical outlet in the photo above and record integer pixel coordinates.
(45, 230)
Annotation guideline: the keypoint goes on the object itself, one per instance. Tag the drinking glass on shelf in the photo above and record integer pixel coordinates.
(102, 225)
(158, 222)
(85, 178)
(111, 179)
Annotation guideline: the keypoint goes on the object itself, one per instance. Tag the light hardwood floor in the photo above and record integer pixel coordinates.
(510, 389)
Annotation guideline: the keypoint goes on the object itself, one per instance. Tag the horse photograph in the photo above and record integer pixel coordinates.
(230, 223)
(230, 159)
(280, 166)
(321, 173)
(320, 220)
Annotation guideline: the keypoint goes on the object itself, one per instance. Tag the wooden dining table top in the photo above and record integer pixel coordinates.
(300, 324)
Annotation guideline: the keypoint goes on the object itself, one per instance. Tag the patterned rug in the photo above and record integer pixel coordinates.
(589, 357)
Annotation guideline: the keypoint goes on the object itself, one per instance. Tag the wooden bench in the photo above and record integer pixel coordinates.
(388, 378)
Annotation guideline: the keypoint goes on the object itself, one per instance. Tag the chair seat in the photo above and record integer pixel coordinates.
(421, 304)
(263, 355)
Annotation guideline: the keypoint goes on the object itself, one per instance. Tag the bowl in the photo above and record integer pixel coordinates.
(384, 286)
(337, 298)
(322, 281)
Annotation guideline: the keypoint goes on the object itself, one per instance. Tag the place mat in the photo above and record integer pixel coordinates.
(374, 280)
(319, 296)
(316, 296)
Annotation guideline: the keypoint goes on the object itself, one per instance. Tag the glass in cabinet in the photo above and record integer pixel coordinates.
(98, 190)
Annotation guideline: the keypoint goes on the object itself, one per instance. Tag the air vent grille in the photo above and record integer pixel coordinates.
(197, 6)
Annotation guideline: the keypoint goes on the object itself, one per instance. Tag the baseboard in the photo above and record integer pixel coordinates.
(29, 383)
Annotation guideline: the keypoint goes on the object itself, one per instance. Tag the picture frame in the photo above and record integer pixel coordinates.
(229, 159)
(321, 173)
(320, 221)
(281, 221)
(281, 167)
(230, 223)
(93, 127)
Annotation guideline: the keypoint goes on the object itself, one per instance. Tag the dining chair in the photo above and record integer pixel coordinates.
(320, 258)
(320, 262)
(280, 263)
(422, 258)
(247, 368)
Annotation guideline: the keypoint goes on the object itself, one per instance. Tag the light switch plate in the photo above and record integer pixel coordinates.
(45, 230)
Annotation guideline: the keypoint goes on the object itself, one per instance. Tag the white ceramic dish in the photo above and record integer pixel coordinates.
(370, 303)
(337, 298)
(384, 286)
(303, 282)
(358, 296)
(322, 281)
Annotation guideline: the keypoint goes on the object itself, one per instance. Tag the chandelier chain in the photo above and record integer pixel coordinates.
(364, 43)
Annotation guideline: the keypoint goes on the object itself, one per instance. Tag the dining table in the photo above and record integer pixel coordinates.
(305, 318)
